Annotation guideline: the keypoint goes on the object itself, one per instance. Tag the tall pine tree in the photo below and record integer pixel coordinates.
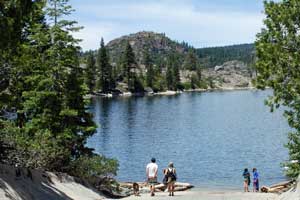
(129, 66)
(191, 60)
(90, 72)
(169, 76)
(53, 124)
(150, 71)
(105, 69)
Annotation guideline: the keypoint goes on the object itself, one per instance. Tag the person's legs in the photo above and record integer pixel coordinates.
(246, 186)
(172, 188)
(169, 189)
(152, 190)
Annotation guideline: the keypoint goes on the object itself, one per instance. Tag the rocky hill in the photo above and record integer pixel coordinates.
(157, 44)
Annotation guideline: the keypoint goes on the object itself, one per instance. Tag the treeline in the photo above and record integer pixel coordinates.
(104, 76)
(212, 56)
(43, 118)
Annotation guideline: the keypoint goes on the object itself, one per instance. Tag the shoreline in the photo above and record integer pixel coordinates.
(168, 92)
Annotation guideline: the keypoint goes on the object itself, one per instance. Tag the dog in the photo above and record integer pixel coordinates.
(136, 189)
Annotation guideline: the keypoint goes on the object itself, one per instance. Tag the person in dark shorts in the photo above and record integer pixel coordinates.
(246, 176)
(151, 172)
(170, 178)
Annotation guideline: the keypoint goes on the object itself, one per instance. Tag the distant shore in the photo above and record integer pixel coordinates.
(168, 92)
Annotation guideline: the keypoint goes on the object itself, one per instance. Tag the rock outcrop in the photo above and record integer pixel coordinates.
(230, 75)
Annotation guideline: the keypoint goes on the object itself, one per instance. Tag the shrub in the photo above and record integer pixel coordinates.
(95, 165)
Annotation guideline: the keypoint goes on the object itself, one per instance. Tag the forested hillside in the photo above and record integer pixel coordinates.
(212, 56)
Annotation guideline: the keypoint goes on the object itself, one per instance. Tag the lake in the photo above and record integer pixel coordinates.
(210, 136)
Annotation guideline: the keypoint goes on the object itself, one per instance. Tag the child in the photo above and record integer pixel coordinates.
(136, 189)
(255, 180)
(246, 176)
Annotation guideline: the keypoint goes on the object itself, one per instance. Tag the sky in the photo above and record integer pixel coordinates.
(201, 23)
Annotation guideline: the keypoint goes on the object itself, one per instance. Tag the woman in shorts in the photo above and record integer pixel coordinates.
(170, 178)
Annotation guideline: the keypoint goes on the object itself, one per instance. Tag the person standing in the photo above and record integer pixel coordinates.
(151, 172)
(255, 180)
(246, 176)
(170, 176)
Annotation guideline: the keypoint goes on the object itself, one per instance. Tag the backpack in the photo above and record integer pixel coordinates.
(170, 174)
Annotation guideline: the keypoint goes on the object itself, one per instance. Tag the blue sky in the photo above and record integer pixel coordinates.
(201, 23)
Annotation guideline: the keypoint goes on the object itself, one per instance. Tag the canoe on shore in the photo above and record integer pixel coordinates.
(278, 188)
(144, 186)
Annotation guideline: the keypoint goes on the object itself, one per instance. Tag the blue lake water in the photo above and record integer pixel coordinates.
(211, 137)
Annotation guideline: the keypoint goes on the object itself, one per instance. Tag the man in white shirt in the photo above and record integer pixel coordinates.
(151, 172)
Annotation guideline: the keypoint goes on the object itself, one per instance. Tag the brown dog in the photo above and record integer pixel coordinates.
(136, 189)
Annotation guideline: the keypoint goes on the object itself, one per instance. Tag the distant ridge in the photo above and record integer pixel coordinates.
(212, 56)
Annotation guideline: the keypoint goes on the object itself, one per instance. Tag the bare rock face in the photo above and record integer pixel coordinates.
(230, 75)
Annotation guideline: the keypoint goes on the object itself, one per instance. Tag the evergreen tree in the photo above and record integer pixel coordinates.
(150, 71)
(278, 61)
(191, 60)
(169, 76)
(15, 18)
(129, 66)
(176, 73)
(105, 69)
(90, 72)
(176, 76)
(52, 124)
(194, 81)
(56, 123)
(199, 73)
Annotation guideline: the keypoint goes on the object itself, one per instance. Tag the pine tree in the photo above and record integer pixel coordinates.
(56, 124)
(169, 76)
(15, 19)
(129, 66)
(104, 68)
(47, 91)
(199, 73)
(191, 60)
(176, 76)
(174, 59)
(150, 71)
(90, 72)
(194, 81)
